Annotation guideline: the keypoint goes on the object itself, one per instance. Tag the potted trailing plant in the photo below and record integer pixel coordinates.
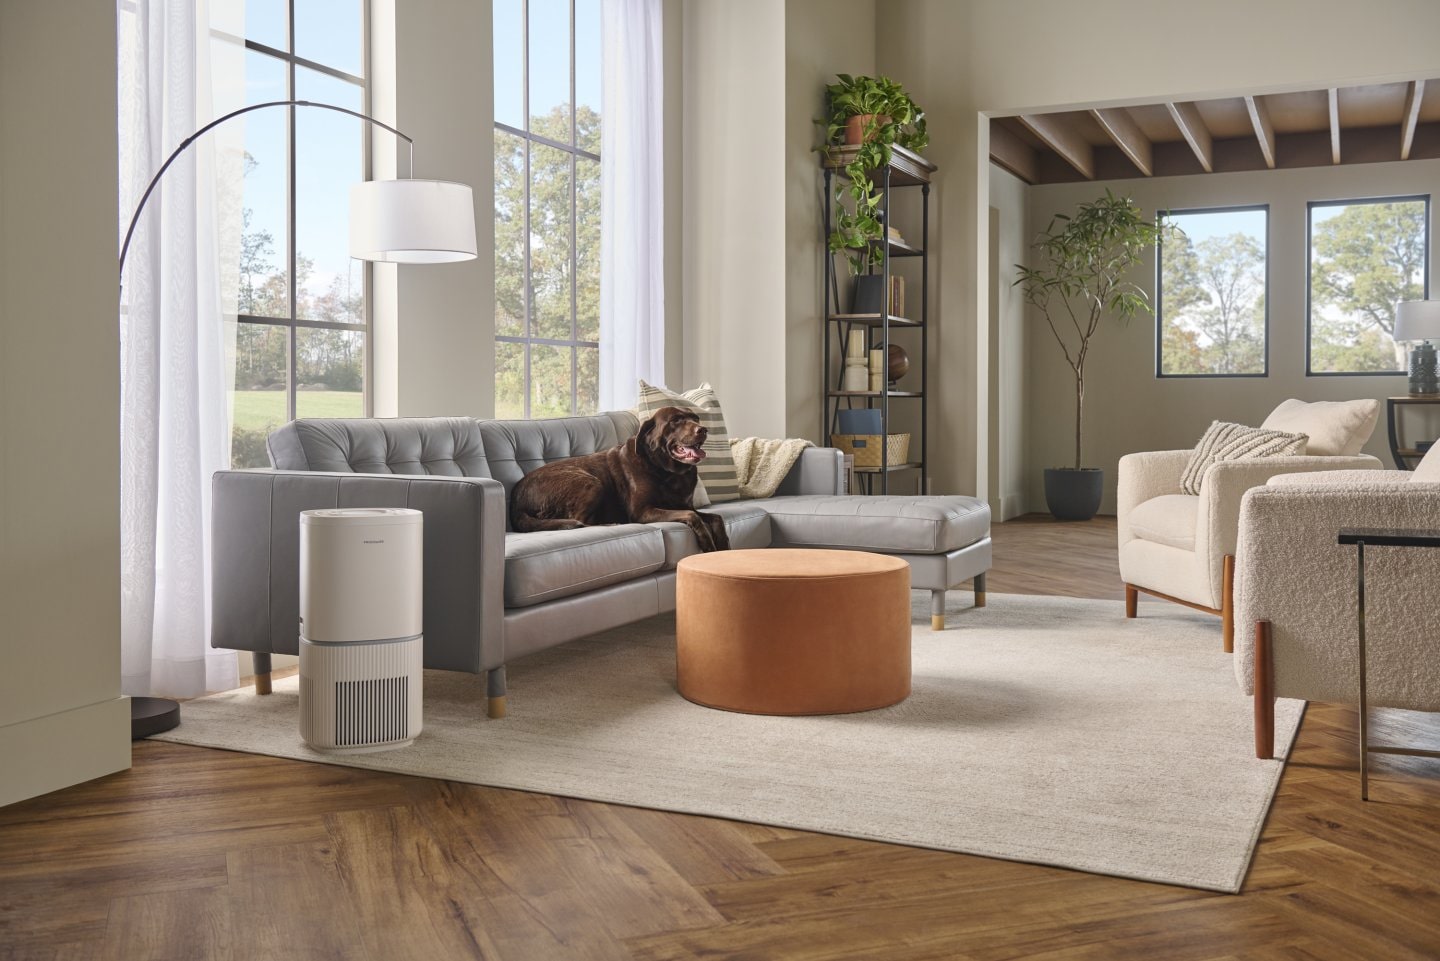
(871, 114)
(1085, 259)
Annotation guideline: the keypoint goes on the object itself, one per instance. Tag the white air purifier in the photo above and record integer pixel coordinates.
(361, 600)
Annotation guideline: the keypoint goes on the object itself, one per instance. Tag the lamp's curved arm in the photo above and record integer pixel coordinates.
(155, 180)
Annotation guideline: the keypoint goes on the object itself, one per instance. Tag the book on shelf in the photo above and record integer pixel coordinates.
(867, 294)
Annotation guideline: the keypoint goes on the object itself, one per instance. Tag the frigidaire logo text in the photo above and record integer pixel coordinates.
(373, 542)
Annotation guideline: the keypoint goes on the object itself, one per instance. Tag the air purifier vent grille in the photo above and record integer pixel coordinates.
(372, 711)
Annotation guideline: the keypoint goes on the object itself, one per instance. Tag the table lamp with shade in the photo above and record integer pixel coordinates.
(403, 221)
(1418, 322)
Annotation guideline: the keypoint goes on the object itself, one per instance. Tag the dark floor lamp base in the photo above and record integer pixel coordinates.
(151, 715)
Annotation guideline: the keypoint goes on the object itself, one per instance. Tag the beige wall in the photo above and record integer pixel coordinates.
(822, 38)
(1127, 407)
(62, 719)
(734, 296)
(1000, 56)
(434, 325)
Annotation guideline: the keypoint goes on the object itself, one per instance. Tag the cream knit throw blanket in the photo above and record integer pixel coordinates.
(762, 464)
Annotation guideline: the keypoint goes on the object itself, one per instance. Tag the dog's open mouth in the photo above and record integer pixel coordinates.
(688, 453)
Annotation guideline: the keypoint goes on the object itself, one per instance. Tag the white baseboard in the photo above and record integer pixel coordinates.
(1011, 506)
(48, 753)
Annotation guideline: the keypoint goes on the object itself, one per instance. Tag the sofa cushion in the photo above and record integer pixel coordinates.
(893, 524)
(1225, 441)
(1335, 427)
(746, 523)
(546, 565)
(1168, 519)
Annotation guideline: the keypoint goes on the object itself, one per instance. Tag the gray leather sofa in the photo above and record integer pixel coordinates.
(492, 595)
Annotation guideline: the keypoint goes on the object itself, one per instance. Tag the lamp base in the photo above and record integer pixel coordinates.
(151, 715)
(1423, 379)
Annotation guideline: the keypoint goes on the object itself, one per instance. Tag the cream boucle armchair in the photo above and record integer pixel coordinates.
(1181, 547)
(1296, 593)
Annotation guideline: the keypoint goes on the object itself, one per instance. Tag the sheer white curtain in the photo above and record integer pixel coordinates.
(632, 207)
(177, 338)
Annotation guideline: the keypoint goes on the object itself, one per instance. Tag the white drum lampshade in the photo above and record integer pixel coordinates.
(1417, 320)
(412, 221)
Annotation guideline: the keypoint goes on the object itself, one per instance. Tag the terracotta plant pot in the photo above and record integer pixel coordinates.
(855, 127)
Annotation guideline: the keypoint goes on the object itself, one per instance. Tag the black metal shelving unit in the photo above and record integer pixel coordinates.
(906, 169)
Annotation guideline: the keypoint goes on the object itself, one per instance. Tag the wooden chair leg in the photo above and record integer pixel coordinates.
(261, 670)
(937, 610)
(1132, 600)
(1227, 604)
(1264, 692)
(495, 690)
(979, 590)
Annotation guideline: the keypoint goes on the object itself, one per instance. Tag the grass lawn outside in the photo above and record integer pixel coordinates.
(265, 409)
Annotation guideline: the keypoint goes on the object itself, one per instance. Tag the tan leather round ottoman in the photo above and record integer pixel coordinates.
(793, 631)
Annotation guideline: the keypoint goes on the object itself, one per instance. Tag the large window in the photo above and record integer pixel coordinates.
(1210, 301)
(1366, 256)
(301, 344)
(547, 207)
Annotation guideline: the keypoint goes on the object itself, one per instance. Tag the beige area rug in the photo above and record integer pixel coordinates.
(1040, 729)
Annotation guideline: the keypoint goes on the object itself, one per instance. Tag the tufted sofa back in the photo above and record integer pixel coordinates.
(505, 450)
(516, 447)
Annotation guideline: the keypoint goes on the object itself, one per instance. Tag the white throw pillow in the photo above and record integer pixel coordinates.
(1335, 427)
(1222, 441)
(1428, 470)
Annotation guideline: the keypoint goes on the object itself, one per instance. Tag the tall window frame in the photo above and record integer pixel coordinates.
(529, 339)
(1310, 208)
(1160, 372)
(292, 322)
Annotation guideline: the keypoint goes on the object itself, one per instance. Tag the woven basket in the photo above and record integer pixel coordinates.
(865, 448)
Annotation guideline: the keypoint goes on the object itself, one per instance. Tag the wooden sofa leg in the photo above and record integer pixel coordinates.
(1132, 600)
(1264, 693)
(1227, 604)
(261, 670)
(937, 610)
(979, 590)
(495, 692)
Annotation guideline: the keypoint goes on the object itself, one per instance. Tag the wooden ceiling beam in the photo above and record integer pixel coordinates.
(1014, 154)
(1411, 117)
(1264, 130)
(1128, 136)
(1059, 137)
(1197, 135)
(1334, 97)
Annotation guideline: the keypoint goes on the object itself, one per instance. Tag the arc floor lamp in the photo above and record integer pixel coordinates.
(405, 221)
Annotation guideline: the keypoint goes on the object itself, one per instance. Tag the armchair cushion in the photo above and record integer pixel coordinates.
(1168, 519)
(1222, 442)
(1335, 427)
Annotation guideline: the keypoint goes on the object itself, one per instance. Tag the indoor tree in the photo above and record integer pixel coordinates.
(1082, 277)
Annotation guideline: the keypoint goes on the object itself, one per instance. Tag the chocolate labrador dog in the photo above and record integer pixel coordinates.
(649, 478)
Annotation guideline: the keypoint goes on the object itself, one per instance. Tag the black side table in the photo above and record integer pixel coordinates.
(1360, 537)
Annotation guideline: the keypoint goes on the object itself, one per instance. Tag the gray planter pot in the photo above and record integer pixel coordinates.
(1074, 495)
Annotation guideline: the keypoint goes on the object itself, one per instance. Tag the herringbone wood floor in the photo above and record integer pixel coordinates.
(206, 854)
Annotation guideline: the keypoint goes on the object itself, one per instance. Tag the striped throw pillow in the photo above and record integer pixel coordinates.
(1224, 441)
(717, 470)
